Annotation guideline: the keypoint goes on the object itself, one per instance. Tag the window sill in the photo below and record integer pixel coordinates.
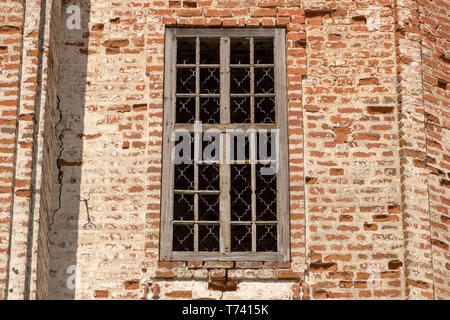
(255, 270)
(236, 256)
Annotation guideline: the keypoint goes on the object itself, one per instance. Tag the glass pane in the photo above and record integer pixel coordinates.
(240, 51)
(183, 207)
(266, 195)
(183, 238)
(208, 238)
(210, 80)
(208, 207)
(266, 150)
(186, 51)
(241, 192)
(210, 51)
(210, 110)
(210, 146)
(183, 152)
(240, 80)
(208, 177)
(241, 238)
(263, 50)
(265, 110)
(185, 110)
(264, 80)
(184, 177)
(240, 110)
(240, 146)
(185, 80)
(266, 238)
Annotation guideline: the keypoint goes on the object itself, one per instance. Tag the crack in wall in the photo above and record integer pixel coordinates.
(59, 137)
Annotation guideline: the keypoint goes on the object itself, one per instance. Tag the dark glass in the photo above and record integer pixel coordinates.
(210, 110)
(208, 238)
(208, 207)
(185, 110)
(264, 80)
(210, 80)
(266, 238)
(186, 50)
(185, 80)
(264, 109)
(183, 238)
(183, 207)
(266, 195)
(184, 177)
(241, 192)
(210, 51)
(240, 51)
(240, 80)
(263, 50)
(208, 177)
(240, 110)
(241, 238)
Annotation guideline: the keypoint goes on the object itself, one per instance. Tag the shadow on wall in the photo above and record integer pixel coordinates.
(73, 59)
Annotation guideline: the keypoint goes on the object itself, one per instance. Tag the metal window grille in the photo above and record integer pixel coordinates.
(227, 79)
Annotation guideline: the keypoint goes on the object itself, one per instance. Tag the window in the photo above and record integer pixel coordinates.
(225, 183)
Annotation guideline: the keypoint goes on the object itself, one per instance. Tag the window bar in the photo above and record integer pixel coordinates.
(190, 222)
(253, 142)
(225, 228)
(253, 186)
(208, 161)
(252, 81)
(203, 65)
(193, 95)
(244, 65)
(256, 222)
(196, 138)
(196, 191)
(197, 79)
(262, 95)
(280, 94)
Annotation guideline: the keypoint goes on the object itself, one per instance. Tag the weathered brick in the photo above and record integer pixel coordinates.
(369, 183)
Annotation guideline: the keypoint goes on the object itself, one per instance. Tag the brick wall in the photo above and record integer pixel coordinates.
(10, 50)
(368, 143)
(423, 106)
(353, 223)
(26, 28)
(435, 43)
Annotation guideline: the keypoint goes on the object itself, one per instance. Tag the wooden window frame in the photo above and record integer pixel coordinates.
(281, 123)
